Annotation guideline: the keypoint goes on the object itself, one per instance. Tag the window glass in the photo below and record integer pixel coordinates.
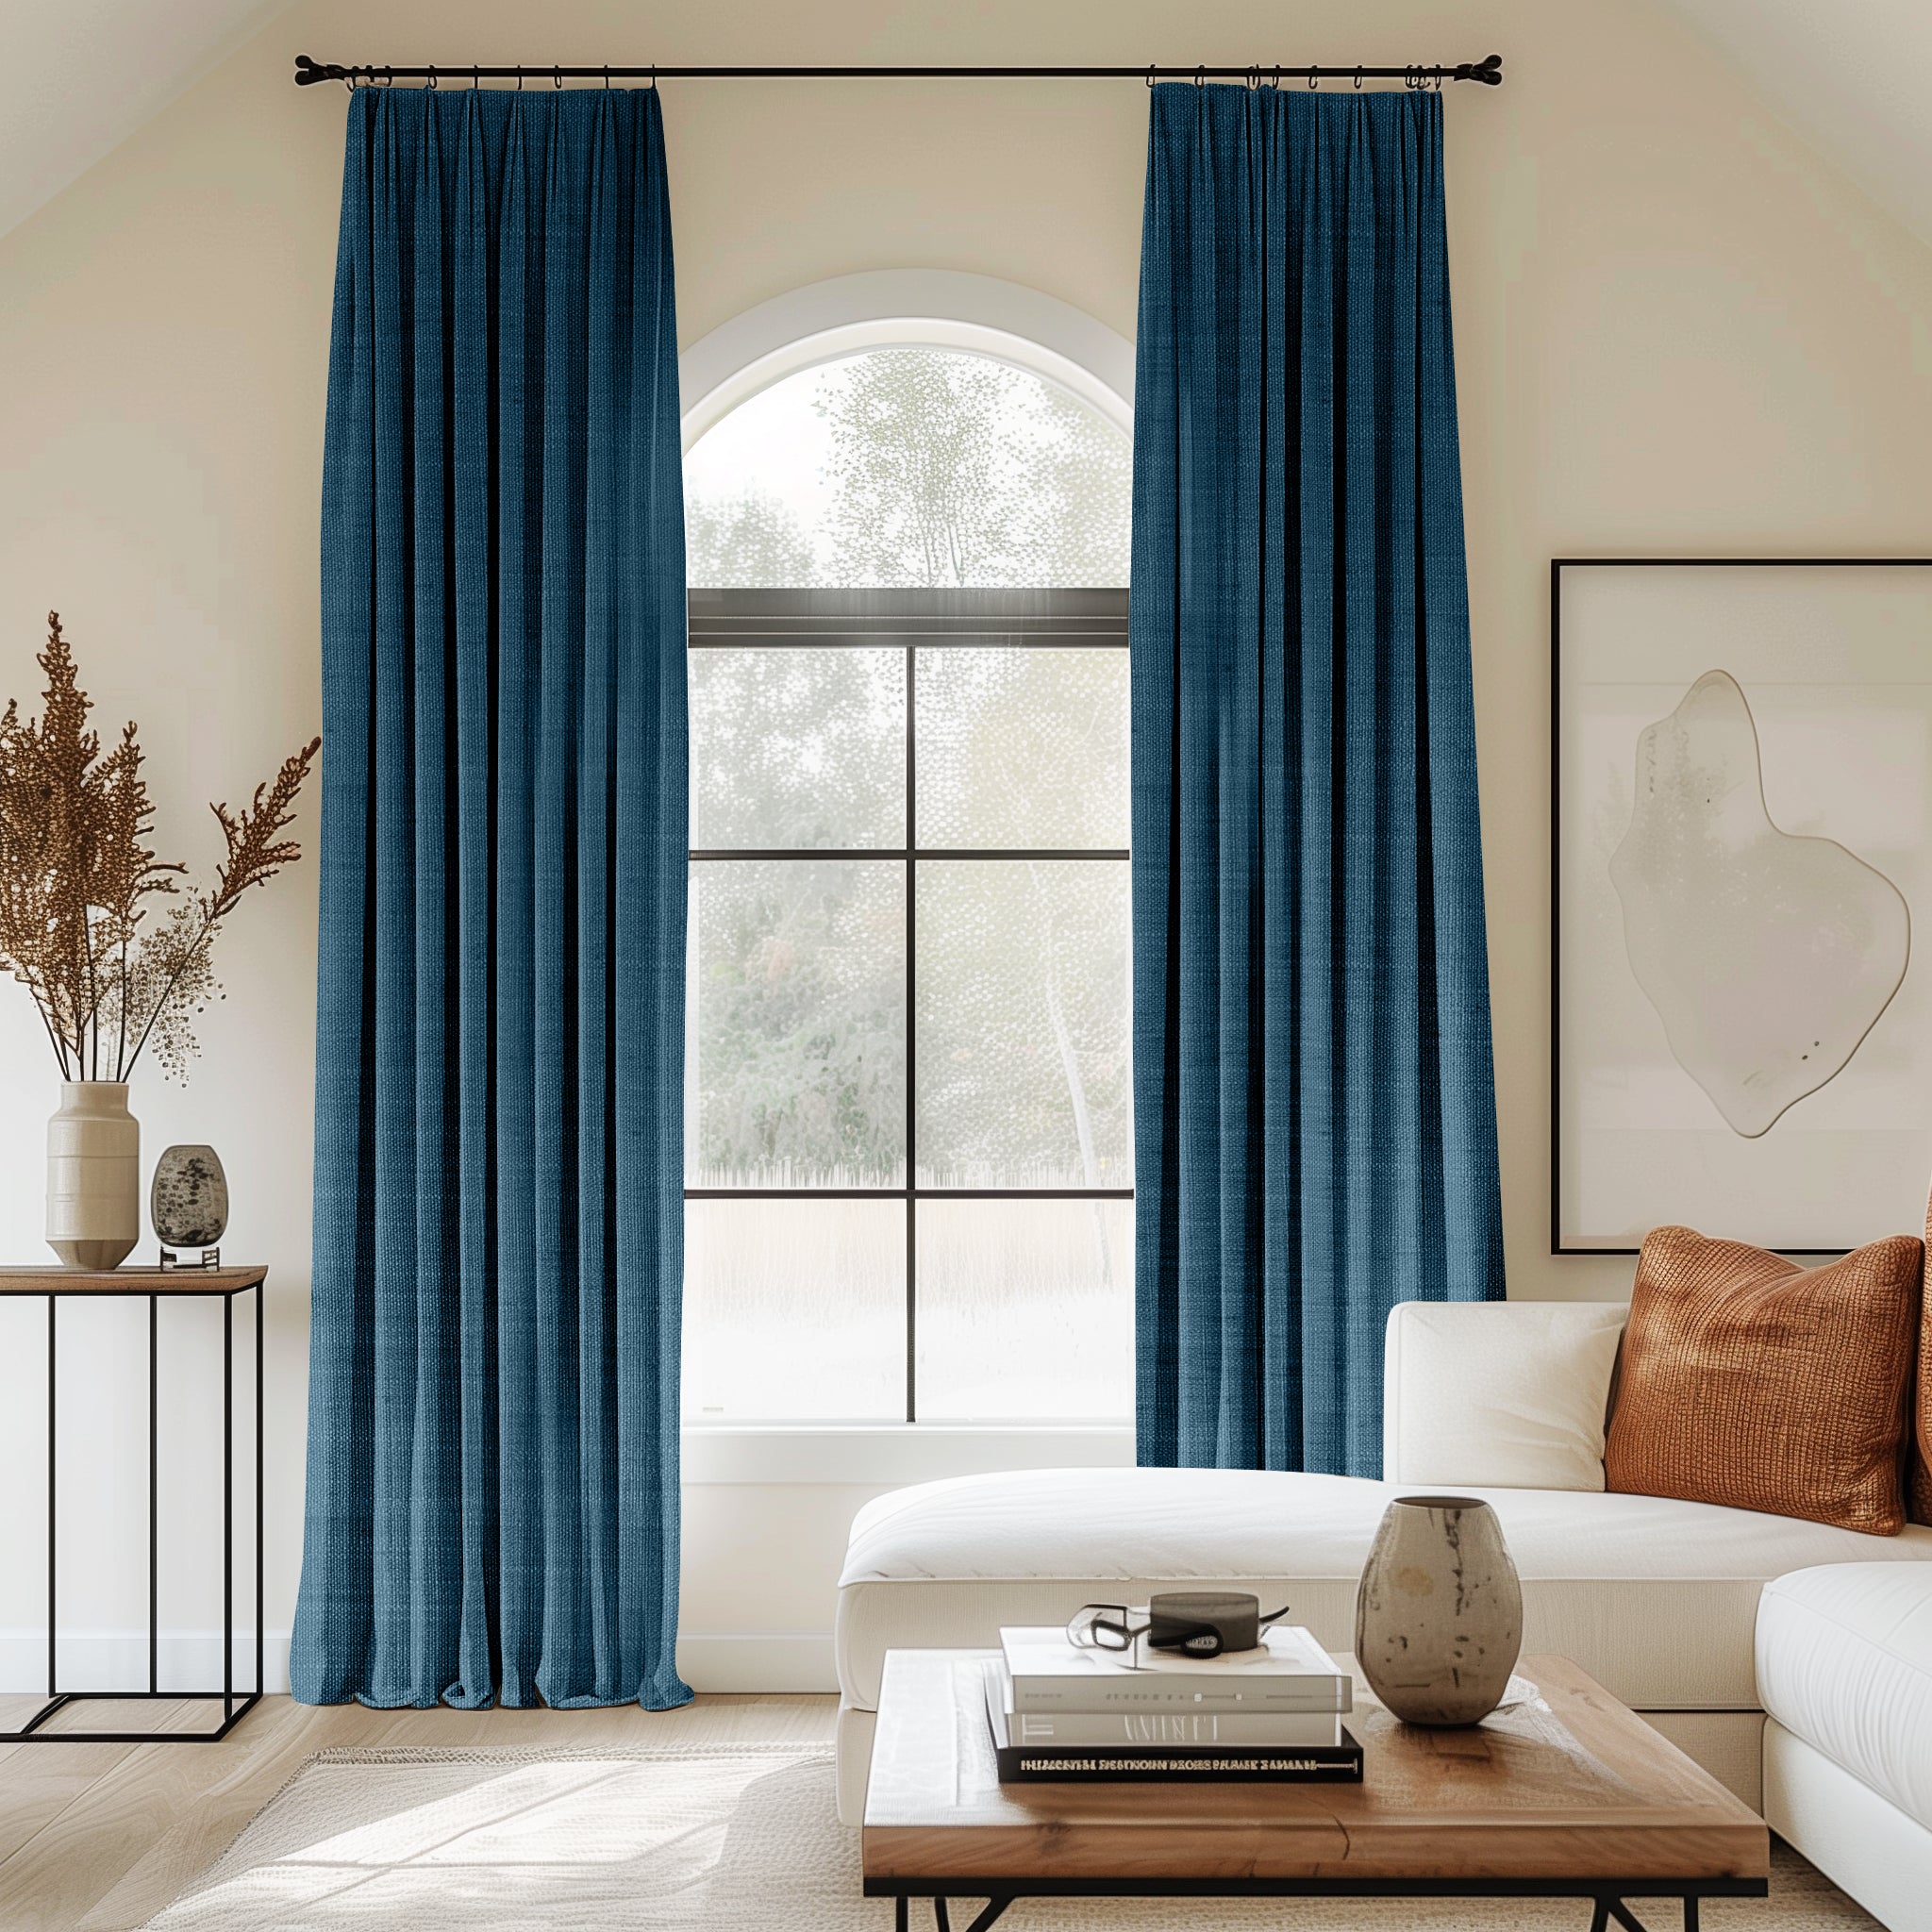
(910, 466)
(908, 1128)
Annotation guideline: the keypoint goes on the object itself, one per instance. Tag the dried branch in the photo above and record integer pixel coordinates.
(76, 876)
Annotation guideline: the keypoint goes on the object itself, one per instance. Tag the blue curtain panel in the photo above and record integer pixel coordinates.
(493, 1461)
(1314, 1108)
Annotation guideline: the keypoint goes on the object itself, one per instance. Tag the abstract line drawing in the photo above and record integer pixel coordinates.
(1769, 957)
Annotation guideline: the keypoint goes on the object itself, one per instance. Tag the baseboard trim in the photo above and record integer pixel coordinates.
(117, 1659)
(789, 1660)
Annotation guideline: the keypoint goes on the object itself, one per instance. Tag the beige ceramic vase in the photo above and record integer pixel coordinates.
(94, 1175)
(1439, 1617)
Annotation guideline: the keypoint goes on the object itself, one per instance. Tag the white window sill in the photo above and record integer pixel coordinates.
(885, 1454)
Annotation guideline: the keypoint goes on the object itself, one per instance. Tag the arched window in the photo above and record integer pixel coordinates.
(908, 1128)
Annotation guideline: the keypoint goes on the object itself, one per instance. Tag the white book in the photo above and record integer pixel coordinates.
(1287, 1671)
(1188, 1726)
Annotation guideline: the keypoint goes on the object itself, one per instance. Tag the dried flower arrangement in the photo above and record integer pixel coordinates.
(76, 876)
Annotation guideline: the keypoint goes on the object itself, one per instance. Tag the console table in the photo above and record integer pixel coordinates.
(56, 1285)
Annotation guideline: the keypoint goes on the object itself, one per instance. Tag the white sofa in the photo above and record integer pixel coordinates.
(1658, 1599)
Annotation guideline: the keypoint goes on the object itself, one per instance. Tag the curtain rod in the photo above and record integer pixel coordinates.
(309, 73)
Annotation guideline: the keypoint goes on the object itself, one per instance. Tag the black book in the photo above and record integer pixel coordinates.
(1303, 1764)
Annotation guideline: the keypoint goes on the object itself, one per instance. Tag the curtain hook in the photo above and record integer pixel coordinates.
(1254, 77)
(1358, 80)
(557, 78)
(1314, 78)
(607, 80)
(1275, 83)
(431, 83)
(653, 76)
(389, 76)
(1150, 76)
(1200, 76)
(520, 80)
(476, 78)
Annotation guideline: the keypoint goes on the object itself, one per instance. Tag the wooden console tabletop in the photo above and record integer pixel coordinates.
(54, 1280)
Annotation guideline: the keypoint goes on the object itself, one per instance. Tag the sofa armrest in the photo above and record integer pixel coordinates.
(1499, 1394)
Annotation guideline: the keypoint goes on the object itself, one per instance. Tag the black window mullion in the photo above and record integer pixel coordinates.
(821, 623)
(911, 1038)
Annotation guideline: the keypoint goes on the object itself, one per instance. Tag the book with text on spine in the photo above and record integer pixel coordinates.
(1337, 1763)
(1167, 1728)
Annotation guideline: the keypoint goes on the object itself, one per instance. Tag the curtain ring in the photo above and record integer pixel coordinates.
(1150, 76)
(431, 83)
(557, 78)
(1358, 80)
(1275, 83)
(1255, 77)
(1200, 76)
(389, 76)
(1314, 78)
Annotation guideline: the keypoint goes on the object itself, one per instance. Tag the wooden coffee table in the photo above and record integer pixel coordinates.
(1569, 1795)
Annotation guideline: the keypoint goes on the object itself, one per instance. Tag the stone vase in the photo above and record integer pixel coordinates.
(1439, 1617)
(94, 1175)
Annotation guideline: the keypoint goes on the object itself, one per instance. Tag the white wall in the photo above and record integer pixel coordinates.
(1679, 329)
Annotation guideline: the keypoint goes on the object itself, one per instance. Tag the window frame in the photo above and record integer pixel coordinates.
(910, 620)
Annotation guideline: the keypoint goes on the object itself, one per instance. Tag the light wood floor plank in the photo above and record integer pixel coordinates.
(98, 1838)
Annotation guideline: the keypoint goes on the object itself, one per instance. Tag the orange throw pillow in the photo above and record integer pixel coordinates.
(1918, 1458)
(1750, 1381)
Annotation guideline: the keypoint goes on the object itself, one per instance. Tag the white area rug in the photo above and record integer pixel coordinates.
(716, 1838)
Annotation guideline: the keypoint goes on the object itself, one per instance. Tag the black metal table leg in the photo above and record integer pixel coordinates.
(1690, 1913)
(154, 1499)
(52, 1675)
(261, 1666)
(227, 1509)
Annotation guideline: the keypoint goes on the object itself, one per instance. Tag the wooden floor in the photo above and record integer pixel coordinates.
(97, 1838)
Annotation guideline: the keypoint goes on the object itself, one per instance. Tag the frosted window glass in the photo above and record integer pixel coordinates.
(797, 748)
(794, 1311)
(1025, 1309)
(1023, 1076)
(1021, 747)
(800, 993)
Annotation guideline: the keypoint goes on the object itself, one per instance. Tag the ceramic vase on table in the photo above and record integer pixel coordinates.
(1439, 1617)
(94, 1175)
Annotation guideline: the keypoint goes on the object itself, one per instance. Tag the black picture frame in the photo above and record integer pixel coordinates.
(1558, 566)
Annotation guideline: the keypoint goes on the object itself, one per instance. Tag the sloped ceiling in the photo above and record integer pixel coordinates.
(81, 76)
(1852, 76)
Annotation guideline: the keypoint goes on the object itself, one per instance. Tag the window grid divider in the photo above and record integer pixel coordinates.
(852, 635)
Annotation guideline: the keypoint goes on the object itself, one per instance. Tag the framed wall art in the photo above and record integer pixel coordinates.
(1742, 885)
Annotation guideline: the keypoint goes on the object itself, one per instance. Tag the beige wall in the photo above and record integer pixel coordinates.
(1678, 330)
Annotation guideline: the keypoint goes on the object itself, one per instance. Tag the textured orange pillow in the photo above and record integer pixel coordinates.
(1750, 1381)
(1918, 1456)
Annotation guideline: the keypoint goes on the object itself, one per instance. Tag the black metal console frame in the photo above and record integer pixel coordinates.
(1607, 1896)
(236, 1703)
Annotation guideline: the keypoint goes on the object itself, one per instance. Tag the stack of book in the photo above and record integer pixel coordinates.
(1273, 1713)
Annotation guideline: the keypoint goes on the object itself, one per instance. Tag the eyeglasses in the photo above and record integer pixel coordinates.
(1111, 1628)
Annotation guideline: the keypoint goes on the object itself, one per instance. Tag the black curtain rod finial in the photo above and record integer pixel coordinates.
(1486, 72)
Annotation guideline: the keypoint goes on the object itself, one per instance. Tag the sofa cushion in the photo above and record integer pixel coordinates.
(1513, 1395)
(1844, 1661)
(1749, 1381)
(1654, 1598)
